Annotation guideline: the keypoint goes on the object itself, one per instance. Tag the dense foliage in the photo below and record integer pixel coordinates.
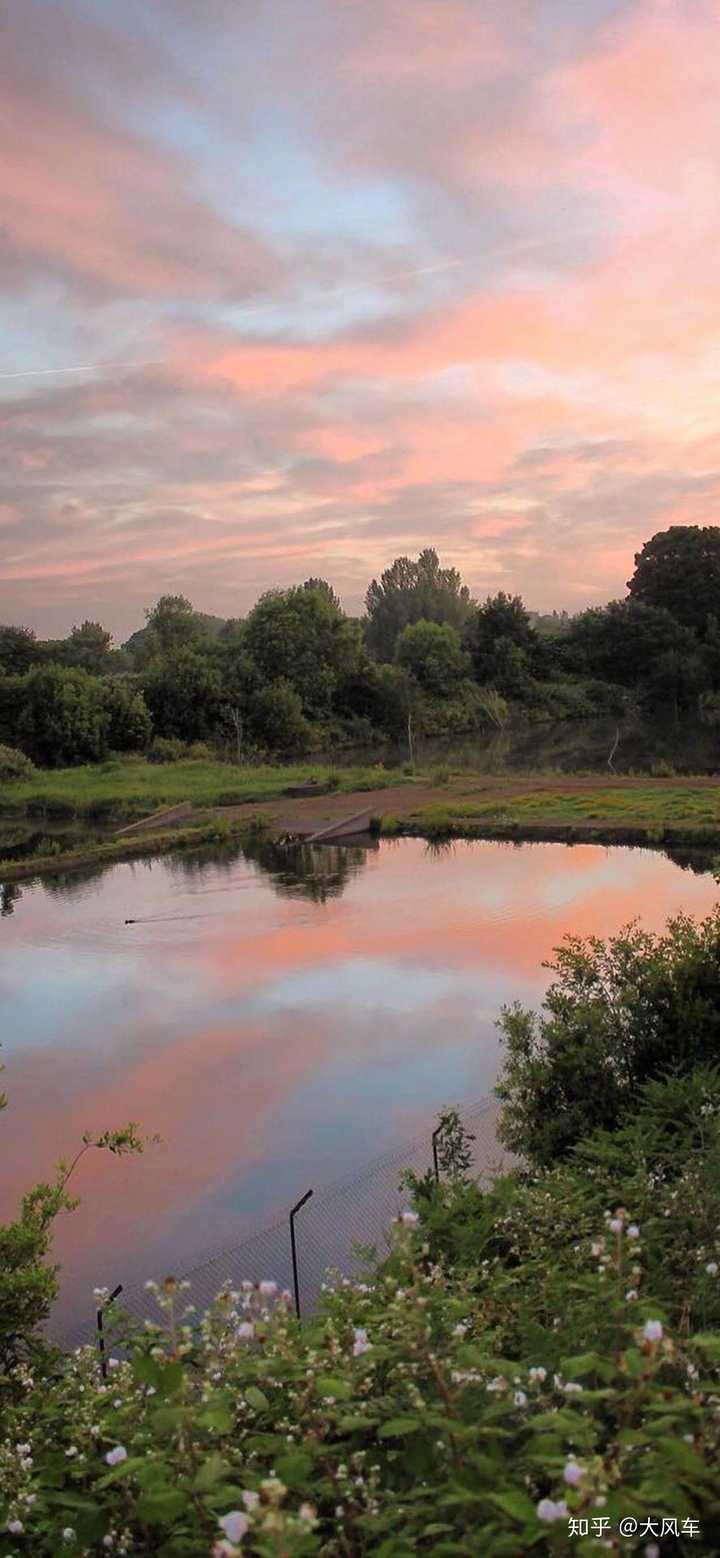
(298, 674)
(618, 1014)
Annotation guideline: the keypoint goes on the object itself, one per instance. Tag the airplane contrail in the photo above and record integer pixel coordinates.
(154, 362)
(523, 246)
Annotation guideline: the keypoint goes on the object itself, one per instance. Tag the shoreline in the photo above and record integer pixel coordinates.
(649, 813)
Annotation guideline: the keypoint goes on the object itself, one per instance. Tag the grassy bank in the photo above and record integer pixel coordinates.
(127, 789)
(110, 851)
(679, 813)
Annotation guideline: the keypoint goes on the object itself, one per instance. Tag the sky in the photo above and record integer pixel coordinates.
(292, 288)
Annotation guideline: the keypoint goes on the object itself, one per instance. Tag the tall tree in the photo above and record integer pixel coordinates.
(679, 569)
(89, 647)
(410, 592)
(300, 636)
(183, 693)
(172, 624)
(623, 641)
(432, 653)
(503, 645)
(19, 650)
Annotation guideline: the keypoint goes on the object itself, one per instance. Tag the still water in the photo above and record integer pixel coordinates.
(278, 1019)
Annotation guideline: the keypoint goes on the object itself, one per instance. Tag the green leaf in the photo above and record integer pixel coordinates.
(293, 1469)
(515, 1504)
(118, 1473)
(164, 1505)
(256, 1399)
(398, 1426)
(331, 1385)
(211, 1471)
(357, 1424)
(708, 1342)
(584, 1363)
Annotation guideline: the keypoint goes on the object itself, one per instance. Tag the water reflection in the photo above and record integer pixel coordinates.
(278, 1018)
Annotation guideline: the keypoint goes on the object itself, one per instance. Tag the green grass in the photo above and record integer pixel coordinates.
(133, 789)
(651, 810)
(110, 851)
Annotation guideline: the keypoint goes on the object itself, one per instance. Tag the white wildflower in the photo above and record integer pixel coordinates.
(652, 1330)
(573, 1474)
(548, 1510)
(234, 1525)
(117, 1456)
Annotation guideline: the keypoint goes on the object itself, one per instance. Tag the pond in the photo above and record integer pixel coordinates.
(277, 1017)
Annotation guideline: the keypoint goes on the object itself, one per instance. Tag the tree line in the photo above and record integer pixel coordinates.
(298, 673)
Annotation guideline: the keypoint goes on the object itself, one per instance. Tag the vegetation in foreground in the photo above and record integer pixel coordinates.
(531, 1369)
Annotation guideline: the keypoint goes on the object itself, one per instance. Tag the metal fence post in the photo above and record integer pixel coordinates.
(100, 1328)
(293, 1248)
(437, 1132)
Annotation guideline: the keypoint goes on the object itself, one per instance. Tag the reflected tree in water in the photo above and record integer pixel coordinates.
(298, 869)
(10, 894)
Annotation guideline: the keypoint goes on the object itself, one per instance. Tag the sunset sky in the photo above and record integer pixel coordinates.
(334, 280)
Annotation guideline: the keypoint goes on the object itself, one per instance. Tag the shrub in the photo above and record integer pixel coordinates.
(64, 717)
(518, 1360)
(166, 749)
(440, 776)
(199, 752)
(618, 1014)
(14, 765)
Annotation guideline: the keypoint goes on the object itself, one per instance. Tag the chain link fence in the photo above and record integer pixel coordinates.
(356, 1211)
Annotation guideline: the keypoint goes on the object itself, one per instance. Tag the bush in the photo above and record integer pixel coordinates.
(199, 752)
(64, 718)
(618, 1014)
(166, 749)
(440, 776)
(542, 1353)
(15, 765)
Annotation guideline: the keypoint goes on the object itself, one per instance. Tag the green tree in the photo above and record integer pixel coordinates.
(64, 718)
(277, 721)
(679, 569)
(19, 650)
(410, 592)
(89, 647)
(504, 648)
(623, 641)
(172, 624)
(300, 636)
(183, 691)
(129, 719)
(431, 652)
(327, 589)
